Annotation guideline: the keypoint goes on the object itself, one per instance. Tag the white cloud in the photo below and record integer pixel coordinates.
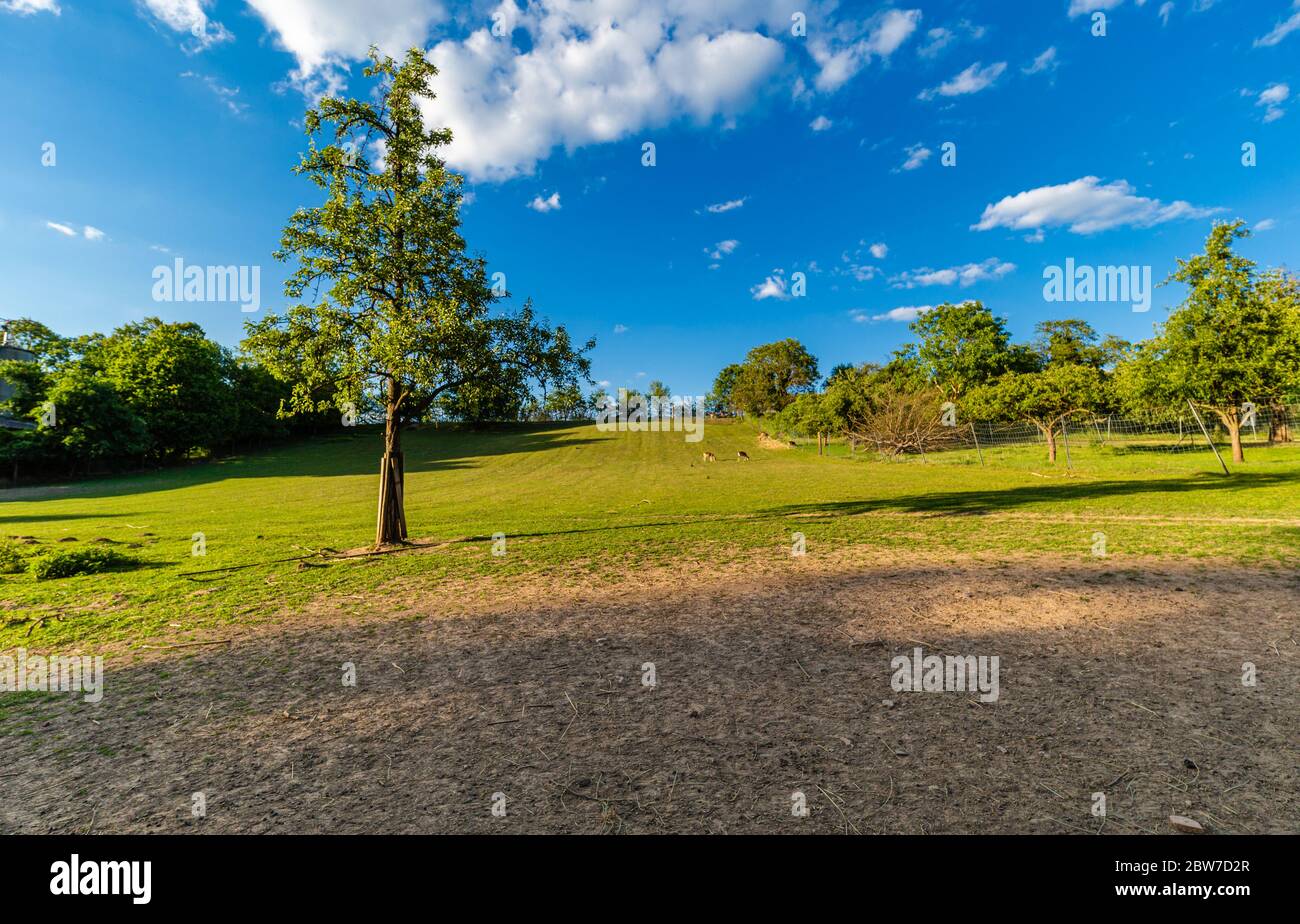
(1079, 7)
(917, 154)
(619, 329)
(189, 16)
(596, 72)
(906, 314)
(89, 232)
(227, 95)
(1165, 9)
(722, 249)
(550, 204)
(937, 40)
(771, 287)
(325, 35)
(879, 251)
(1268, 224)
(941, 38)
(593, 72)
(1281, 30)
(1272, 99)
(967, 274)
(850, 46)
(1044, 62)
(971, 80)
(1085, 206)
(30, 7)
(820, 124)
(727, 206)
(585, 83)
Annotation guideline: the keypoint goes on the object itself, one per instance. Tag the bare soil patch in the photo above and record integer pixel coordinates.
(772, 677)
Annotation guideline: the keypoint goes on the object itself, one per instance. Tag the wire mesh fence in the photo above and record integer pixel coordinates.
(1171, 432)
(1177, 437)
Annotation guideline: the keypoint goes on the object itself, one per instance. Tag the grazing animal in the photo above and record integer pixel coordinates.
(742, 455)
(710, 457)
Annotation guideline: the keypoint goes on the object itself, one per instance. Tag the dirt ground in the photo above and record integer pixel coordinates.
(772, 678)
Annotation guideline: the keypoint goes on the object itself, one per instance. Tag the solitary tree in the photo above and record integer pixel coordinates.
(390, 304)
(1231, 343)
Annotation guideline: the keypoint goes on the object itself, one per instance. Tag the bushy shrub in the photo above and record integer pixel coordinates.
(13, 558)
(69, 562)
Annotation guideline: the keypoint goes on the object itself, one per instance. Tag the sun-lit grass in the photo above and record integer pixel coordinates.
(574, 498)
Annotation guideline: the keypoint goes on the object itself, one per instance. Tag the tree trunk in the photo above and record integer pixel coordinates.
(1049, 434)
(390, 525)
(1234, 433)
(1279, 424)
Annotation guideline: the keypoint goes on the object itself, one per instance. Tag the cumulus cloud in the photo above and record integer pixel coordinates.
(580, 73)
(842, 51)
(92, 233)
(905, 315)
(586, 79)
(936, 40)
(917, 154)
(1272, 99)
(1080, 7)
(1085, 206)
(30, 7)
(820, 124)
(550, 204)
(722, 249)
(324, 36)
(189, 16)
(972, 80)
(967, 274)
(941, 38)
(879, 251)
(1281, 30)
(772, 287)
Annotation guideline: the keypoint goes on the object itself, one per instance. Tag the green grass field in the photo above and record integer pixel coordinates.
(574, 500)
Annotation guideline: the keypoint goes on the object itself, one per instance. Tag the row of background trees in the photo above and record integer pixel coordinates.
(153, 393)
(1234, 342)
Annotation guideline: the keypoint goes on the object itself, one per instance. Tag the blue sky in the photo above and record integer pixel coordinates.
(175, 124)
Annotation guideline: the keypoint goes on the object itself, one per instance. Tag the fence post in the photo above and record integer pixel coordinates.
(975, 436)
(1207, 437)
(1065, 435)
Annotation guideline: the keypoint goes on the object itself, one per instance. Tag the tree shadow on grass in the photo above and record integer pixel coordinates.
(546, 697)
(425, 450)
(948, 503)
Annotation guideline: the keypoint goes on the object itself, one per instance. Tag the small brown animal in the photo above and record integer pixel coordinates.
(742, 455)
(710, 457)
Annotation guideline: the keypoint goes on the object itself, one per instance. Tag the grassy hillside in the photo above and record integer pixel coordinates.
(573, 499)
